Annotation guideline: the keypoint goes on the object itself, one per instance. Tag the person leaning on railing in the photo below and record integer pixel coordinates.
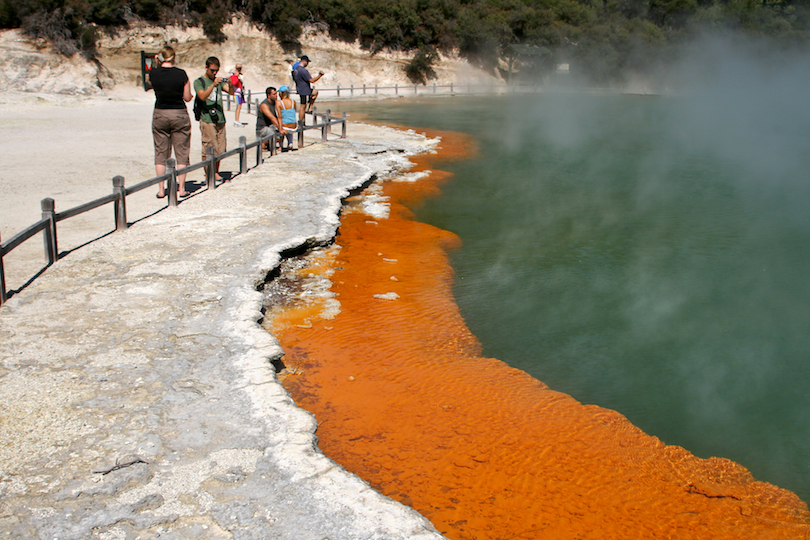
(287, 112)
(209, 89)
(267, 123)
(171, 126)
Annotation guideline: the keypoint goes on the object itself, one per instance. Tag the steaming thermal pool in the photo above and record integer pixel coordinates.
(646, 254)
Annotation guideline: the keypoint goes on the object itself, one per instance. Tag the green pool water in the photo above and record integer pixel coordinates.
(646, 254)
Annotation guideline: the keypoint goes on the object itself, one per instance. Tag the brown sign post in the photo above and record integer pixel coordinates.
(147, 63)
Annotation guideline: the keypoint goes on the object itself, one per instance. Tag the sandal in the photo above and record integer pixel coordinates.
(159, 196)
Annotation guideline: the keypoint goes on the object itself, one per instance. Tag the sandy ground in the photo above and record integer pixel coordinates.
(69, 148)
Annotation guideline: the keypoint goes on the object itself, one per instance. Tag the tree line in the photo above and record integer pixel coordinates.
(601, 38)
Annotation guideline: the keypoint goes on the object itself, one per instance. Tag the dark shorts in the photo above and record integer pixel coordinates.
(304, 100)
(171, 128)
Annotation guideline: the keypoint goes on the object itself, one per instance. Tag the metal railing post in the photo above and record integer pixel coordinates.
(434, 87)
(338, 90)
(228, 100)
(375, 89)
(243, 155)
(414, 89)
(49, 234)
(120, 204)
(273, 143)
(171, 168)
(211, 169)
(3, 296)
(323, 131)
(259, 157)
(343, 127)
(364, 89)
(396, 89)
(328, 120)
(352, 89)
(248, 101)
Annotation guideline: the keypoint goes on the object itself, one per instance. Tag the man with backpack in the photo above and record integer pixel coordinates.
(208, 108)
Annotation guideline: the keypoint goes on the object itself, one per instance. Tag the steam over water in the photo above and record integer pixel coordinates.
(646, 254)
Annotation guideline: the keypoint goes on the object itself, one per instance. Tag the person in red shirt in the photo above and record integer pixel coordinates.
(238, 83)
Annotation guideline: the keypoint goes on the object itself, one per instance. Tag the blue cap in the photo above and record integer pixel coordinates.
(283, 88)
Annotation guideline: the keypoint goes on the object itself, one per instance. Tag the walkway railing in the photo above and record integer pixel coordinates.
(50, 217)
(396, 90)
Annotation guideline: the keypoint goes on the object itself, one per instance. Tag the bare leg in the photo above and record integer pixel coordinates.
(160, 170)
(312, 99)
(238, 110)
(181, 182)
(216, 172)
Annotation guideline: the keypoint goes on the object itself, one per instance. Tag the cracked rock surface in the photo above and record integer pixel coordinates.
(137, 397)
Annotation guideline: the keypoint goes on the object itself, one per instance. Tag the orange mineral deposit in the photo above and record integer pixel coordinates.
(404, 400)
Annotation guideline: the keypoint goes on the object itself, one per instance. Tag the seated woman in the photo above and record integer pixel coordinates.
(288, 111)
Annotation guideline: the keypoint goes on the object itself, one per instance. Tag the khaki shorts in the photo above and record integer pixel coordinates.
(213, 135)
(171, 128)
(265, 131)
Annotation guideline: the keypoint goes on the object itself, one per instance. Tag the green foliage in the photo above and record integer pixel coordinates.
(8, 14)
(216, 15)
(601, 38)
(64, 25)
(282, 19)
(672, 13)
(420, 69)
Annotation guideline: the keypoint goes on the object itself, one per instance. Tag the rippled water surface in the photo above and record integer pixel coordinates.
(646, 254)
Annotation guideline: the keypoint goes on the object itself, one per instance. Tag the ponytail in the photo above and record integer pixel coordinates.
(166, 54)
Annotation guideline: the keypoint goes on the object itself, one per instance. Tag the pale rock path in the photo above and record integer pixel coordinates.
(69, 148)
(137, 396)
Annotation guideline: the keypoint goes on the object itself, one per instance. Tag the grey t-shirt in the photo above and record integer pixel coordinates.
(263, 121)
(302, 77)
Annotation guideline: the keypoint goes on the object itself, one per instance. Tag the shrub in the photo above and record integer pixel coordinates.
(63, 30)
(420, 69)
(8, 14)
(214, 18)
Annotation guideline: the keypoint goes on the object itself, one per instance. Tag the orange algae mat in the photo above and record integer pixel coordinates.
(404, 400)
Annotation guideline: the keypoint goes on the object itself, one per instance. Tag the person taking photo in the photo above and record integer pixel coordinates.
(209, 90)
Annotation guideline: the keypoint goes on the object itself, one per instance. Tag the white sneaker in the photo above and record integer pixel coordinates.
(237, 124)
